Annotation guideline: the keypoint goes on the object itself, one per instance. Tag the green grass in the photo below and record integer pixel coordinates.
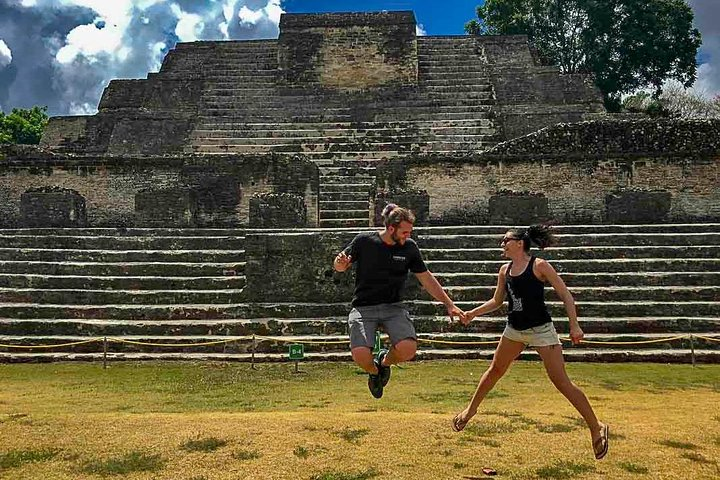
(333, 475)
(128, 463)
(203, 444)
(17, 458)
(634, 468)
(564, 469)
(556, 428)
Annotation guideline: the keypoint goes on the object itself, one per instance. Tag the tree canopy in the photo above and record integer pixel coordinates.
(23, 126)
(626, 44)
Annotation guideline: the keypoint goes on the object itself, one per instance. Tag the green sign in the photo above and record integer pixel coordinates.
(378, 344)
(297, 351)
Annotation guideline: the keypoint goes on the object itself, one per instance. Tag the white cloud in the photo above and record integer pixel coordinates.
(707, 13)
(5, 54)
(90, 41)
(420, 30)
(188, 26)
(273, 10)
(249, 16)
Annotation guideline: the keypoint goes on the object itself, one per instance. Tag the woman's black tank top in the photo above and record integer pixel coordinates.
(526, 299)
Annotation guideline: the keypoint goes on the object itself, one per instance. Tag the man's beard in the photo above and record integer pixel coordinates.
(396, 238)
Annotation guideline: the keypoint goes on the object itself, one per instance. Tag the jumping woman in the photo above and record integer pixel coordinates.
(529, 324)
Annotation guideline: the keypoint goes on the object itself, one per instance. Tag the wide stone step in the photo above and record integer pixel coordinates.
(126, 297)
(324, 343)
(596, 279)
(663, 326)
(708, 229)
(578, 253)
(279, 134)
(344, 180)
(328, 222)
(131, 269)
(231, 122)
(581, 355)
(233, 280)
(128, 232)
(585, 266)
(362, 213)
(331, 188)
(107, 242)
(638, 240)
(297, 309)
(344, 196)
(344, 205)
(595, 294)
(69, 255)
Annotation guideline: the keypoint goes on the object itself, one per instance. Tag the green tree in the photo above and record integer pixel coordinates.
(23, 126)
(626, 44)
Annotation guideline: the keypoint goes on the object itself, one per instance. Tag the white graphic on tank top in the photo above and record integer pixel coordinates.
(517, 305)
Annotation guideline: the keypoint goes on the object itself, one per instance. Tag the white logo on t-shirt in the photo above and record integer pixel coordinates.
(517, 305)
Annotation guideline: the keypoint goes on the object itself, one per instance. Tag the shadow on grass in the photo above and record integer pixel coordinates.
(246, 455)
(564, 469)
(16, 458)
(697, 458)
(634, 468)
(304, 452)
(333, 475)
(353, 435)
(203, 444)
(679, 445)
(130, 462)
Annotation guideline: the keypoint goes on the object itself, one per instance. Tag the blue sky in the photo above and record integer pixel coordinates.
(63, 53)
(436, 17)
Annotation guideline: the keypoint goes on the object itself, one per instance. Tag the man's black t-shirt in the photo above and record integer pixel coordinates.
(381, 269)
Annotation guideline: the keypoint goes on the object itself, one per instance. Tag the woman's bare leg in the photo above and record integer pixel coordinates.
(555, 367)
(506, 352)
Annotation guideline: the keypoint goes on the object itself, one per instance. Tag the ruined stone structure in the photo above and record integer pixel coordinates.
(187, 208)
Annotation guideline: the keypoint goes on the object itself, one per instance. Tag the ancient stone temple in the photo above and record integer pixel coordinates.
(189, 205)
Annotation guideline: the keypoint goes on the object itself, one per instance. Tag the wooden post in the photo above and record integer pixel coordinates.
(252, 354)
(692, 349)
(105, 345)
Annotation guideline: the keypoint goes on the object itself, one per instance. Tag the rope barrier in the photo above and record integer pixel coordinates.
(53, 346)
(339, 342)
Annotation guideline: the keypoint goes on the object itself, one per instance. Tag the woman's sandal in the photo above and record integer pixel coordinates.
(602, 444)
(458, 424)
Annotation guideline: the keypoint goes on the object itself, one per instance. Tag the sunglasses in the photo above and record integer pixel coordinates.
(509, 239)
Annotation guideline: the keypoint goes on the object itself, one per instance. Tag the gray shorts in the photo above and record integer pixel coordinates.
(542, 336)
(395, 320)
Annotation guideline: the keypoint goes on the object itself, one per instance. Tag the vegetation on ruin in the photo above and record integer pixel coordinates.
(226, 421)
(625, 44)
(23, 125)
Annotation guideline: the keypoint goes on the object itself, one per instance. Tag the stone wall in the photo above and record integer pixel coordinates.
(587, 173)
(126, 191)
(350, 51)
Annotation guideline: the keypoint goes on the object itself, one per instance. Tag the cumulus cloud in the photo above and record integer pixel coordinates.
(5, 54)
(707, 20)
(66, 51)
(420, 30)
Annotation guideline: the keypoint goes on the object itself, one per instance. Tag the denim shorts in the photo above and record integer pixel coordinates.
(541, 336)
(395, 320)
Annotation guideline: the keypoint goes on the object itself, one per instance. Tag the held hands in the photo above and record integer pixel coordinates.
(576, 334)
(454, 311)
(342, 262)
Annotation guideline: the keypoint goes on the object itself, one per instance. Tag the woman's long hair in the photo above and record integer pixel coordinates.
(538, 235)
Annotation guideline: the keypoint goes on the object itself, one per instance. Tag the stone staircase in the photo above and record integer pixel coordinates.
(245, 110)
(170, 286)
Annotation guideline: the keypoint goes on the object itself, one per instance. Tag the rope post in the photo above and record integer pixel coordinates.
(105, 346)
(252, 354)
(297, 366)
(692, 350)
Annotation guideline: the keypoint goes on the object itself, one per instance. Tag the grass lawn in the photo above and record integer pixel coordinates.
(193, 421)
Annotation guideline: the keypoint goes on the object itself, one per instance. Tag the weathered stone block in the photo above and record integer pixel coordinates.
(517, 208)
(277, 210)
(637, 206)
(296, 267)
(176, 207)
(418, 201)
(52, 207)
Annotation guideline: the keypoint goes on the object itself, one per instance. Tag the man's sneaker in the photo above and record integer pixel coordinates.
(375, 385)
(383, 371)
